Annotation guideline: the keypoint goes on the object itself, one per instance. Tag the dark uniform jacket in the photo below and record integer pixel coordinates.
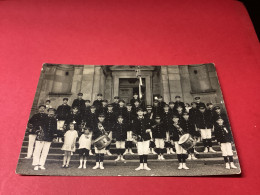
(192, 114)
(180, 115)
(115, 106)
(110, 120)
(223, 134)
(102, 110)
(98, 131)
(73, 117)
(166, 119)
(157, 111)
(91, 120)
(134, 108)
(203, 120)
(158, 130)
(63, 111)
(172, 111)
(79, 103)
(177, 104)
(121, 111)
(36, 121)
(188, 127)
(85, 113)
(49, 129)
(176, 132)
(129, 117)
(161, 104)
(119, 131)
(140, 125)
(97, 104)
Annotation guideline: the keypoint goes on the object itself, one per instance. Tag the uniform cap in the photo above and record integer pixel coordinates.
(65, 99)
(80, 94)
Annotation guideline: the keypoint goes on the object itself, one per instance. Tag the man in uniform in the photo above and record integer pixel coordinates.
(79, 103)
(62, 113)
(98, 102)
(161, 103)
(199, 103)
(178, 103)
(142, 130)
(34, 124)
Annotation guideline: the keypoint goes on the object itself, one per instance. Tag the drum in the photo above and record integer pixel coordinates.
(186, 141)
(102, 142)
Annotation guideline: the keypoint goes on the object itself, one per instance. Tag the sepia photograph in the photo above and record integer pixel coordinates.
(128, 120)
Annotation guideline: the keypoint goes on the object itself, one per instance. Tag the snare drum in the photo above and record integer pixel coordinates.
(186, 141)
(102, 142)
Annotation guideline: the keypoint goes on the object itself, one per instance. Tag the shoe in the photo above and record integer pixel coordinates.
(211, 150)
(97, 166)
(122, 158)
(80, 166)
(27, 157)
(184, 166)
(108, 153)
(84, 166)
(196, 152)
(42, 167)
(141, 167)
(162, 158)
(101, 166)
(63, 166)
(189, 157)
(90, 153)
(206, 150)
(117, 159)
(168, 151)
(180, 166)
(66, 166)
(71, 153)
(171, 151)
(153, 152)
(227, 166)
(130, 151)
(232, 165)
(193, 157)
(146, 167)
(36, 168)
(126, 152)
(159, 157)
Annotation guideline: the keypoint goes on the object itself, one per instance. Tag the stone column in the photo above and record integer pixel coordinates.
(174, 82)
(96, 83)
(76, 81)
(87, 82)
(165, 84)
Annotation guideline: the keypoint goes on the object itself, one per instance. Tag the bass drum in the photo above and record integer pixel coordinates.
(186, 141)
(102, 142)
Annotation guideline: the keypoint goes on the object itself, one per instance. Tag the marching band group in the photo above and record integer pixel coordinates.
(152, 128)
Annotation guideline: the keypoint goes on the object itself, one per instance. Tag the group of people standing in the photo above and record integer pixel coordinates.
(152, 128)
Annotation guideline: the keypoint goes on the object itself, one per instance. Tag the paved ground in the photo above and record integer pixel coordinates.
(167, 168)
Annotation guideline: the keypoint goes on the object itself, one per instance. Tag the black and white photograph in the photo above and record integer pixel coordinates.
(128, 120)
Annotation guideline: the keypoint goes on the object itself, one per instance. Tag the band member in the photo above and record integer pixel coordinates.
(157, 111)
(45, 135)
(189, 127)
(224, 137)
(79, 102)
(34, 124)
(172, 110)
(176, 132)
(99, 130)
(142, 130)
(199, 103)
(115, 104)
(62, 114)
(161, 103)
(129, 118)
(120, 129)
(167, 121)
(121, 109)
(204, 124)
(178, 103)
(84, 147)
(159, 134)
(47, 105)
(74, 117)
(69, 145)
(98, 102)
(103, 108)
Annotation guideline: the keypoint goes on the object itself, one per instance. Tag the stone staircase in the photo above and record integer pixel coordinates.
(56, 155)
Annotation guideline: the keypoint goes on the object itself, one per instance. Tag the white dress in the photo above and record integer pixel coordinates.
(69, 137)
(85, 141)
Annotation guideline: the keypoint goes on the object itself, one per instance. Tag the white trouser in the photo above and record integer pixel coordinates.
(120, 144)
(179, 149)
(159, 143)
(226, 149)
(31, 142)
(40, 152)
(129, 136)
(143, 147)
(205, 133)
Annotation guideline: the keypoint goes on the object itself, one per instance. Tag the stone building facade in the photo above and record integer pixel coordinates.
(58, 81)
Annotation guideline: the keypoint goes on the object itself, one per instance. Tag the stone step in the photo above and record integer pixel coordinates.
(135, 162)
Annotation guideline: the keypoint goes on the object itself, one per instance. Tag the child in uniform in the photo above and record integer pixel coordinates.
(84, 147)
(224, 137)
(69, 144)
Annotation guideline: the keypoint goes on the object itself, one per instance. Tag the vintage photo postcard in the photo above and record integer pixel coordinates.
(121, 120)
